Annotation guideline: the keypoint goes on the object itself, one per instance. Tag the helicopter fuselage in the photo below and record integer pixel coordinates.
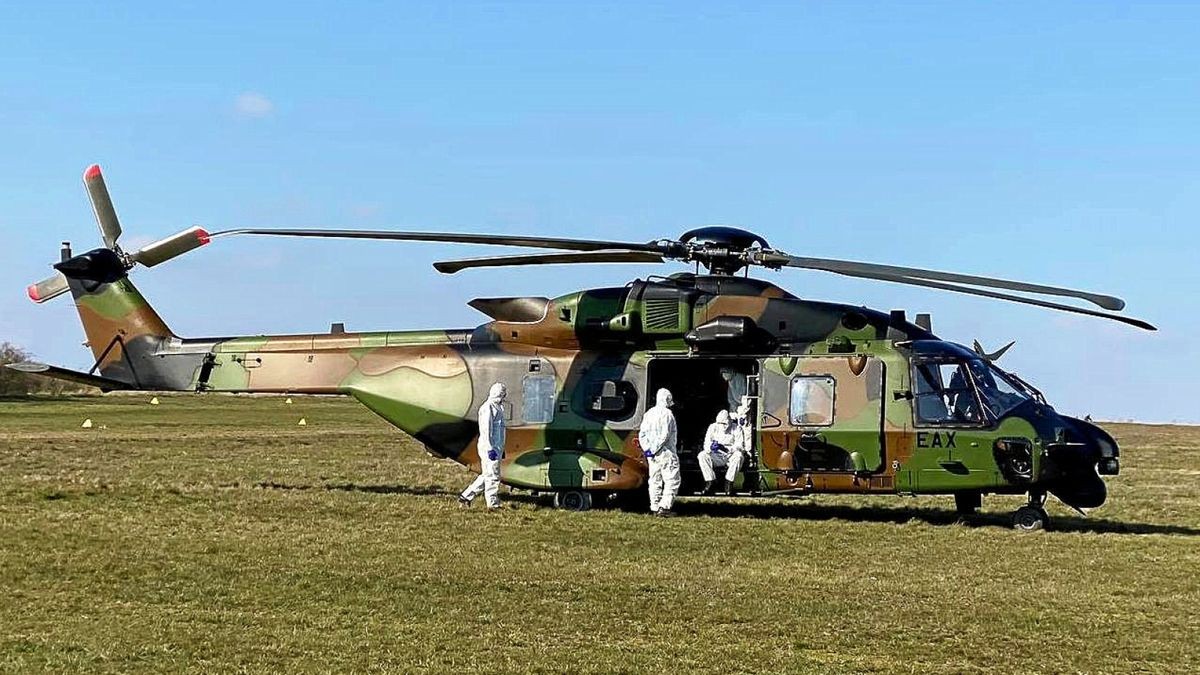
(845, 399)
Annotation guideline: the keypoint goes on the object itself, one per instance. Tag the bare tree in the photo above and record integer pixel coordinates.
(14, 383)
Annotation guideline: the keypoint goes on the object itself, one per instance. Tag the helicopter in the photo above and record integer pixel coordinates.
(842, 399)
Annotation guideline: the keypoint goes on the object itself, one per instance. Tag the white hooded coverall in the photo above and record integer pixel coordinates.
(722, 448)
(657, 437)
(490, 447)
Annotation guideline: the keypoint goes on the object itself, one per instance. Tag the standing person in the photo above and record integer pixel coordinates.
(735, 386)
(657, 437)
(723, 446)
(491, 449)
(744, 418)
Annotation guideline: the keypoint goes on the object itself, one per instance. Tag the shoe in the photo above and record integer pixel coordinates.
(709, 487)
(463, 502)
(665, 513)
(728, 491)
(493, 509)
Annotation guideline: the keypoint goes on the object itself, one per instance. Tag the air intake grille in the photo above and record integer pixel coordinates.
(662, 315)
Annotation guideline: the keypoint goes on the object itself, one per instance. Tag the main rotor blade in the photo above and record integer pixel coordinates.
(102, 206)
(170, 247)
(452, 266)
(453, 238)
(50, 287)
(874, 270)
(1001, 296)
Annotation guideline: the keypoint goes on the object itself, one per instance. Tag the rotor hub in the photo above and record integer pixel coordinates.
(721, 249)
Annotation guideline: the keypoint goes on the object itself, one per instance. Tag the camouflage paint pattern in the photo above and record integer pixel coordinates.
(555, 356)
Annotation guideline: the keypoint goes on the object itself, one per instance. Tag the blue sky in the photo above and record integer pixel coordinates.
(1052, 143)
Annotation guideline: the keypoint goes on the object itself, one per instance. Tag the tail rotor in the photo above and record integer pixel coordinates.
(150, 255)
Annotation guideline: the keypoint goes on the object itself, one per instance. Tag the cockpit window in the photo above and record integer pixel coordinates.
(999, 394)
(943, 394)
(958, 392)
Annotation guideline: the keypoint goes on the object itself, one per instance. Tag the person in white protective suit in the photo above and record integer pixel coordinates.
(744, 419)
(490, 448)
(723, 446)
(657, 437)
(745, 424)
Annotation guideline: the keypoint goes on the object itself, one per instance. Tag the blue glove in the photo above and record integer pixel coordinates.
(647, 454)
(715, 446)
(492, 455)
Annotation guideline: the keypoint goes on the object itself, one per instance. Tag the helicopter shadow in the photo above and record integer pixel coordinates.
(929, 516)
(410, 490)
(780, 510)
(420, 490)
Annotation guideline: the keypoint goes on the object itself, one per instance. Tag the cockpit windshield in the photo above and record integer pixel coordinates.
(999, 393)
(963, 391)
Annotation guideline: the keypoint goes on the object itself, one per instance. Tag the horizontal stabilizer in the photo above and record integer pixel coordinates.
(104, 383)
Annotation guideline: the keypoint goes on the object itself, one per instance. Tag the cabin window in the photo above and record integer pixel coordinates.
(812, 399)
(612, 400)
(537, 399)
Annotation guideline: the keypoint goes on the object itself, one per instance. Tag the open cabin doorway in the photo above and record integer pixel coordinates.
(702, 387)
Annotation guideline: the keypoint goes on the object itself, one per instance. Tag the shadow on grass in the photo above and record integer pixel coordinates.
(748, 508)
(930, 516)
(48, 398)
(417, 491)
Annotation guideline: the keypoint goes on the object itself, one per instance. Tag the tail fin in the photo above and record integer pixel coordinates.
(123, 330)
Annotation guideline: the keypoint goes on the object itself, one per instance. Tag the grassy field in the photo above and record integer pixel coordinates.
(214, 534)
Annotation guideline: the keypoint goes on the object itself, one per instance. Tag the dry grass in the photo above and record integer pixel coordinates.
(213, 534)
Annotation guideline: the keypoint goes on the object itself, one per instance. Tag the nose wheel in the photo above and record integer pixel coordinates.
(1032, 516)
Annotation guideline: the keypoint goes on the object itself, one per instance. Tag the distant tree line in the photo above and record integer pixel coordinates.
(13, 383)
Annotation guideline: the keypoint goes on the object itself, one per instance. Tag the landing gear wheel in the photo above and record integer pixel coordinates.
(1030, 518)
(573, 500)
(966, 503)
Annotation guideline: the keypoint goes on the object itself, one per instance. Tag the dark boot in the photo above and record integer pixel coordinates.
(729, 491)
(710, 487)
(665, 513)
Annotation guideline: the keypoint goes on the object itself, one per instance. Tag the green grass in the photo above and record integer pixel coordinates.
(214, 534)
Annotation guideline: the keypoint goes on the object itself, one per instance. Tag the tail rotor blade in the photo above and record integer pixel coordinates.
(170, 247)
(106, 215)
(48, 288)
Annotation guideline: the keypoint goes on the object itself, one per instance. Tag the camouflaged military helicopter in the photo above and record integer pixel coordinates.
(844, 399)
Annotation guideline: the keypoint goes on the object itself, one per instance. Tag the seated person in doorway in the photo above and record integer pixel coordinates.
(723, 445)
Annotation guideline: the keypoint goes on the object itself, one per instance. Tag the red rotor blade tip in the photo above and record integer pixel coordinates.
(32, 291)
(92, 172)
(203, 236)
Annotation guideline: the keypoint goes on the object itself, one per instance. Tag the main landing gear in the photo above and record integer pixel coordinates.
(1028, 518)
(573, 500)
(1032, 516)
